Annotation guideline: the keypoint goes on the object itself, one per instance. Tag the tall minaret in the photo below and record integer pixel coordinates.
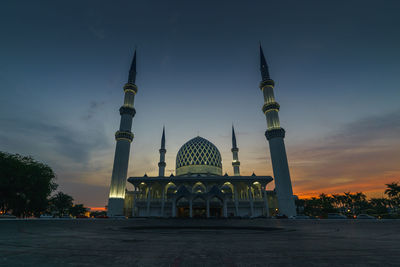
(235, 150)
(124, 137)
(162, 164)
(275, 135)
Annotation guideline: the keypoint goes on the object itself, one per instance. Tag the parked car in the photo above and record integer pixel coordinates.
(336, 216)
(365, 216)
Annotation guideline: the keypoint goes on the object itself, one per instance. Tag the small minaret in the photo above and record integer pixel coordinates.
(124, 137)
(275, 135)
(235, 150)
(162, 164)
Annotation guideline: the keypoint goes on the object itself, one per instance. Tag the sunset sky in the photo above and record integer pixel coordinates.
(336, 65)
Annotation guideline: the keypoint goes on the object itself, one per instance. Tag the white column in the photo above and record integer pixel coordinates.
(190, 208)
(174, 208)
(236, 200)
(163, 200)
(148, 200)
(265, 200)
(208, 208)
(283, 183)
(251, 201)
(123, 137)
(134, 203)
(225, 208)
(275, 135)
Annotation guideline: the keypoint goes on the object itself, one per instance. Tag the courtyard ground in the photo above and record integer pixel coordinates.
(191, 242)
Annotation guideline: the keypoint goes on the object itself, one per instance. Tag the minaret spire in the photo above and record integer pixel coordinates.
(162, 164)
(132, 70)
(275, 135)
(163, 138)
(123, 137)
(233, 138)
(263, 66)
(235, 150)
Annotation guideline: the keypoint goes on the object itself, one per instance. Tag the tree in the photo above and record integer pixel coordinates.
(25, 185)
(339, 202)
(359, 202)
(393, 191)
(78, 210)
(61, 204)
(326, 204)
(318, 207)
(379, 205)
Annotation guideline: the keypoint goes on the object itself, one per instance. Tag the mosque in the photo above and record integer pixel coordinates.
(198, 188)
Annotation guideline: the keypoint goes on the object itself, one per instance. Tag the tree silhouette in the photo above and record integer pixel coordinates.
(25, 185)
(393, 190)
(61, 204)
(77, 210)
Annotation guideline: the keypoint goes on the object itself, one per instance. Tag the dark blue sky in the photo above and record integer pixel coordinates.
(335, 63)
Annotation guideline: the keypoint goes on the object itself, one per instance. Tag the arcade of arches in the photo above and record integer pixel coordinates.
(200, 196)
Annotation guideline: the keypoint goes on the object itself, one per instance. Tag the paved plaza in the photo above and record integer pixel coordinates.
(186, 242)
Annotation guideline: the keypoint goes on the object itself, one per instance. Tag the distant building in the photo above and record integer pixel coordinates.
(199, 189)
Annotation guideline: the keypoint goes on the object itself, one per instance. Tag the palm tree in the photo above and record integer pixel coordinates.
(379, 205)
(341, 201)
(336, 199)
(393, 190)
(348, 200)
(359, 202)
(326, 206)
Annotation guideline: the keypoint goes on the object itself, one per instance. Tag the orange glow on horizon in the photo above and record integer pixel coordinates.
(372, 189)
(97, 208)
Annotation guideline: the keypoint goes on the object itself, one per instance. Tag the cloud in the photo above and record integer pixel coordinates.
(94, 107)
(51, 138)
(359, 156)
(81, 157)
(93, 195)
(362, 155)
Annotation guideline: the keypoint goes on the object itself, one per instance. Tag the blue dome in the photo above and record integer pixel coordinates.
(198, 156)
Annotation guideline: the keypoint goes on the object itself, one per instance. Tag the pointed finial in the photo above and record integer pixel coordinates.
(132, 70)
(233, 138)
(263, 66)
(163, 138)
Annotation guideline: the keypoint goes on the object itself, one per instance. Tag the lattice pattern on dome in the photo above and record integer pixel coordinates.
(198, 151)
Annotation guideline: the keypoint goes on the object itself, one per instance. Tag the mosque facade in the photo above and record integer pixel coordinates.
(199, 188)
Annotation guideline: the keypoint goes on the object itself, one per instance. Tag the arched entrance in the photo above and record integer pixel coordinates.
(182, 205)
(199, 207)
(216, 207)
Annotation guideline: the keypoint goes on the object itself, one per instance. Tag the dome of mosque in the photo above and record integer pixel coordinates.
(198, 156)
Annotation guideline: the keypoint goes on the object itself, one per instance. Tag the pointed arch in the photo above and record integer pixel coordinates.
(198, 187)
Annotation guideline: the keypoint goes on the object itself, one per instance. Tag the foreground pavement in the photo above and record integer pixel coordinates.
(191, 242)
